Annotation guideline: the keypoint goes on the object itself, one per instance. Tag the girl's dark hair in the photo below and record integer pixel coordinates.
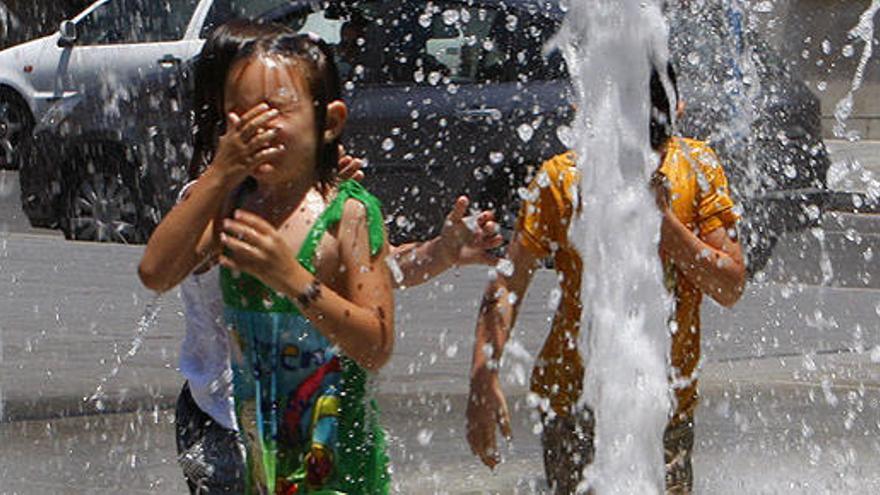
(239, 40)
(660, 126)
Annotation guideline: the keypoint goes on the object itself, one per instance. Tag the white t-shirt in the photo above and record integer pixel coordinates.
(204, 353)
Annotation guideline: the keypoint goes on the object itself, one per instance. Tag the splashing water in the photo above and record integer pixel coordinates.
(864, 32)
(626, 312)
(145, 323)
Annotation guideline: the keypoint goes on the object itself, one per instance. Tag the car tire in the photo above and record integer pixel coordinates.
(102, 206)
(40, 187)
(16, 124)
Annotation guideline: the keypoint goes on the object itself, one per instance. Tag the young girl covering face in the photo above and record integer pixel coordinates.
(305, 285)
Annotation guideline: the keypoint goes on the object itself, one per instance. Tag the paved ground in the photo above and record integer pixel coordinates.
(791, 378)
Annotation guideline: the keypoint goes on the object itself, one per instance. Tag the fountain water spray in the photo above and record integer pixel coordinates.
(864, 32)
(610, 47)
(145, 323)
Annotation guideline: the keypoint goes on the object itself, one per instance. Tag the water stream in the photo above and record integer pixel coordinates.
(626, 312)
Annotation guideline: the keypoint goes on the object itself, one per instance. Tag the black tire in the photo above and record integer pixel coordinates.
(16, 125)
(102, 204)
(40, 188)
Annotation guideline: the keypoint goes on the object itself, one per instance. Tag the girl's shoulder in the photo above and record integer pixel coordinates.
(353, 205)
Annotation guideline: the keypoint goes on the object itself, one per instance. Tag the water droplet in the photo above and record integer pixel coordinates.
(875, 354)
(693, 58)
(424, 436)
(504, 267)
(425, 20)
(525, 132)
(764, 7)
(555, 297)
(848, 51)
(826, 47)
(511, 22)
(388, 144)
(452, 351)
(496, 157)
(450, 17)
(434, 78)
(565, 135)
(542, 179)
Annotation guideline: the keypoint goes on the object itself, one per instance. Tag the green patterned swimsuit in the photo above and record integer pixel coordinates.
(305, 410)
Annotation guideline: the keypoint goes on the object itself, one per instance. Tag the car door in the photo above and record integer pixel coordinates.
(116, 41)
(439, 97)
(510, 96)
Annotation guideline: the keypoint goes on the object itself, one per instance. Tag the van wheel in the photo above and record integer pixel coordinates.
(101, 207)
(16, 124)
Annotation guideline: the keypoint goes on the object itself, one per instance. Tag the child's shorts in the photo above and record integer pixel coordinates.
(210, 455)
(568, 448)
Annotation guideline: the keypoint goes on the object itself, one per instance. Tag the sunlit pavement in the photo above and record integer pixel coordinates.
(790, 389)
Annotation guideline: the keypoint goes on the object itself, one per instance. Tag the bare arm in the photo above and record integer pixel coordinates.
(487, 406)
(713, 262)
(362, 324)
(457, 244)
(185, 237)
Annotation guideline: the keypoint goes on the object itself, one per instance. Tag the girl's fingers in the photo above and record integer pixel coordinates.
(232, 121)
(256, 110)
(241, 231)
(485, 217)
(253, 221)
(350, 168)
(262, 140)
(266, 155)
(227, 262)
(236, 247)
(254, 126)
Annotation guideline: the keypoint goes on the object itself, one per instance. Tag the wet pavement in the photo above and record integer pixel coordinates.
(790, 381)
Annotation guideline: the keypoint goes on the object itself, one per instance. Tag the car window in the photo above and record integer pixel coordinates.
(448, 42)
(135, 21)
(225, 10)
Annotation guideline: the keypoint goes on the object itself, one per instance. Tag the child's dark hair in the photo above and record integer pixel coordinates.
(660, 126)
(239, 40)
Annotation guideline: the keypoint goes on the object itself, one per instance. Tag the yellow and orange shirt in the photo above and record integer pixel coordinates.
(699, 198)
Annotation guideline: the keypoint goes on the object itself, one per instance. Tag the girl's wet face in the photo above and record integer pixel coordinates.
(281, 84)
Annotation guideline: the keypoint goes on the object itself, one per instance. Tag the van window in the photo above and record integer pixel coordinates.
(135, 21)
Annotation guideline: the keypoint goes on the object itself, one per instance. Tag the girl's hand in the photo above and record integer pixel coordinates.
(254, 246)
(247, 143)
(660, 187)
(467, 240)
(349, 167)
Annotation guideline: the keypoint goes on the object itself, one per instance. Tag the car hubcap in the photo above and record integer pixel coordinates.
(12, 123)
(104, 210)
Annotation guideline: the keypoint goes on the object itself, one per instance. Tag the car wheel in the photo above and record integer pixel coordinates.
(16, 125)
(102, 207)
